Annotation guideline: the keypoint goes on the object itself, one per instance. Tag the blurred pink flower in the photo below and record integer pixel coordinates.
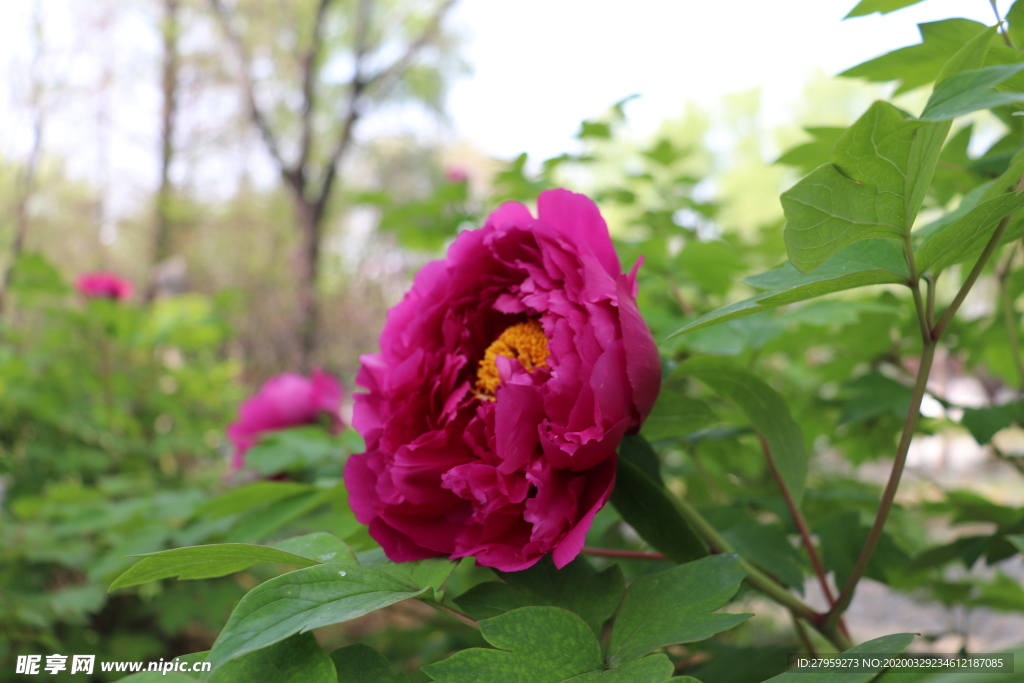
(506, 380)
(104, 285)
(456, 174)
(287, 400)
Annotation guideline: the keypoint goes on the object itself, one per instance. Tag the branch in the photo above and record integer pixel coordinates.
(801, 525)
(632, 554)
(257, 115)
(454, 613)
(310, 68)
(382, 80)
(889, 495)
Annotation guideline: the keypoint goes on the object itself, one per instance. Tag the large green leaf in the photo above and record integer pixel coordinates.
(766, 410)
(970, 91)
(676, 606)
(917, 65)
(303, 600)
(644, 505)
(881, 169)
(298, 448)
(675, 415)
(258, 525)
(203, 562)
(254, 495)
(818, 151)
(362, 664)
(298, 659)
(320, 546)
(865, 7)
(864, 263)
(430, 573)
(967, 235)
(542, 645)
(886, 645)
(983, 423)
(577, 587)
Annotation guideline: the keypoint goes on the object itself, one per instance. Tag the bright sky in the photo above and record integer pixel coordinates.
(541, 66)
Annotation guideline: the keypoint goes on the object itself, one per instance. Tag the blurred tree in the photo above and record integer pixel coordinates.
(27, 176)
(168, 124)
(309, 72)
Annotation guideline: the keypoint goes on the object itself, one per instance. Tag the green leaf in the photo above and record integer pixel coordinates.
(298, 448)
(644, 505)
(362, 664)
(1017, 541)
(652, 669)
(766, 410)
(303, 600)
(594, 129)
(576, 587)
(970, 56)
(261, 523)
(885, 645)
(675, 414)
(970, 91)
(203, 562)
(984, 423)
(538, 644)
(254, 495)
(843, 537)
(881, 169)
(320, 546)
(158, 677)
(1015, 18)
(865, 7)
(430, 573)
(916, 65)
(297, 659)
(872, 395)
(864, 263)
(768, 547)
(675, 606)
(810, 155)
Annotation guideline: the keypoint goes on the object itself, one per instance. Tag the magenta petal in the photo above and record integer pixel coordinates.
(577, 217)
(518, 413)
(572, 543)
(643, 364)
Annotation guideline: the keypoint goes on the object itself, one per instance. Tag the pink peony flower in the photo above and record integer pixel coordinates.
(456, 174)
(287, 400)
(103, 285)
(506, 379)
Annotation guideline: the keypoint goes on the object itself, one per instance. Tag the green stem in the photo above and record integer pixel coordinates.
(454, 613)
(757, 578)
(889, 495)
(929, 313)
(804, 636)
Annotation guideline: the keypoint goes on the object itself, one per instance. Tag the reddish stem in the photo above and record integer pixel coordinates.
(632, 554)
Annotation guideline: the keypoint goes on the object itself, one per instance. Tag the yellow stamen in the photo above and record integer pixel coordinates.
(523, 341)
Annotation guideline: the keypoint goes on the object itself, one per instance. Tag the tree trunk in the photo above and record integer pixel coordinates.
(310, 219)
(163, 245)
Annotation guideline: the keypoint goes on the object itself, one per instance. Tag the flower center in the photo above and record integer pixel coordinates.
(523, 341)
